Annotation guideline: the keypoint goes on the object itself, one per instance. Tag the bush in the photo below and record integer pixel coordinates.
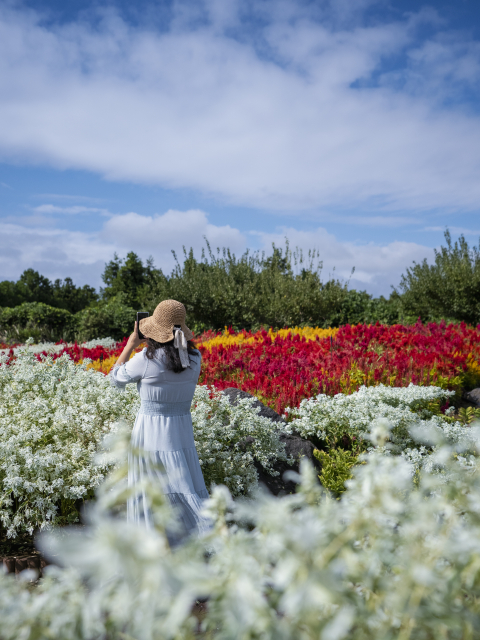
(448, 289)
(53, 415)
(36, 320)
(337, 467)
(112, 318)
(230, 438)
(359, 307)
(344, 418)
(345, 421)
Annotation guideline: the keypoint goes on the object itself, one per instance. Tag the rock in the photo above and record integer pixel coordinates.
(235, 394)
(296, 447)
(473, 396)
(277, 485)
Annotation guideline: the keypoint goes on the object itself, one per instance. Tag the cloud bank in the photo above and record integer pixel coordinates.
(58, 253)
(308, 109)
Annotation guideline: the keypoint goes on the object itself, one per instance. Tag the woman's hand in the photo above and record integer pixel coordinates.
(134, 341)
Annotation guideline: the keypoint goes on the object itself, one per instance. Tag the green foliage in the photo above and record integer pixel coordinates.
(129, 277)
(67, 296)
(37, 320)
(359, 307)
(336, 468)
(33, 287)
(250, 291)
(448, 289)
(114, 318)
(468, 415)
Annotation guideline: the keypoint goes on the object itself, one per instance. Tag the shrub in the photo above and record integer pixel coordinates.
(53, 415)
(230, 438)
(37, 320)
(333, 420)
(449, 288)
(113, 318)
(347, 420)
(359, 307)
(284, 289)
(336, 468)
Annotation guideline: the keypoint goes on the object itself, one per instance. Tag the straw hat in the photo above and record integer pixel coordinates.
(167, 314)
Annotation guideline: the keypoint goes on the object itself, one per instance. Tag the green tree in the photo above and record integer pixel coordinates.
(33, 287)
(448, 289)
(129, 277)
(360, 307)
(9, 294)
(68, 296)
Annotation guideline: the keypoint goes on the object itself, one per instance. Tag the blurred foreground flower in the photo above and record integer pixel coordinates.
(397, 557)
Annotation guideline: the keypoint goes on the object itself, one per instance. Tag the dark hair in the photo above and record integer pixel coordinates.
(172, 357)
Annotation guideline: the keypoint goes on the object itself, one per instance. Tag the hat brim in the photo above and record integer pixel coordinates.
(151, 329)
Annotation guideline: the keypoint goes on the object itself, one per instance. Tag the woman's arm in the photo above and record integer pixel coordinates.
(133, 342)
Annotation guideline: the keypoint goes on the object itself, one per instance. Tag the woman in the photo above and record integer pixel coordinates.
(166, 373)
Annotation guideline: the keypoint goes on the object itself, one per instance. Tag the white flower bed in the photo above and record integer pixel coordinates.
(405, 411)
(393, 559)
(40, 347)
(107, 343)
(228, 438)
(51, 347)
(53, 415)
(328, 418)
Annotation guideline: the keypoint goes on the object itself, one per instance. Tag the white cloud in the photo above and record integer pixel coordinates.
(51, 209)
(158, 235)
(377, 267)
(67, 197)
(271, 121)
(456, 230)
(57, 253)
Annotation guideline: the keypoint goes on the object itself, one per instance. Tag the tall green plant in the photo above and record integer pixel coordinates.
(449, 288)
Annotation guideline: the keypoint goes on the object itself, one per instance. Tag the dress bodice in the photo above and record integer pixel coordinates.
(156, 383)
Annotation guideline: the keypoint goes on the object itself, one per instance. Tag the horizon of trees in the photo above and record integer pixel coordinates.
(249, 291)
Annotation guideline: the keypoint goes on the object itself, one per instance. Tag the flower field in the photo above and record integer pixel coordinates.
(395, 557)
(282, 368)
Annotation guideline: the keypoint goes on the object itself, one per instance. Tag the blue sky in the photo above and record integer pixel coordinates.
(352, 127)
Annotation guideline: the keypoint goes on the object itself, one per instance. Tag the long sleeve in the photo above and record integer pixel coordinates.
(132, 371)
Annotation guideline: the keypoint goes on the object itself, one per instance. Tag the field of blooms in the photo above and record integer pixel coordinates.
(303, 566)
(282, 368)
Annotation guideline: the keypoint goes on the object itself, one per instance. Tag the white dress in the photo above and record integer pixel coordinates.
(163, 430)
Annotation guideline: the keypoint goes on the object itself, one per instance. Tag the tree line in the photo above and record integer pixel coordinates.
(253, 290)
